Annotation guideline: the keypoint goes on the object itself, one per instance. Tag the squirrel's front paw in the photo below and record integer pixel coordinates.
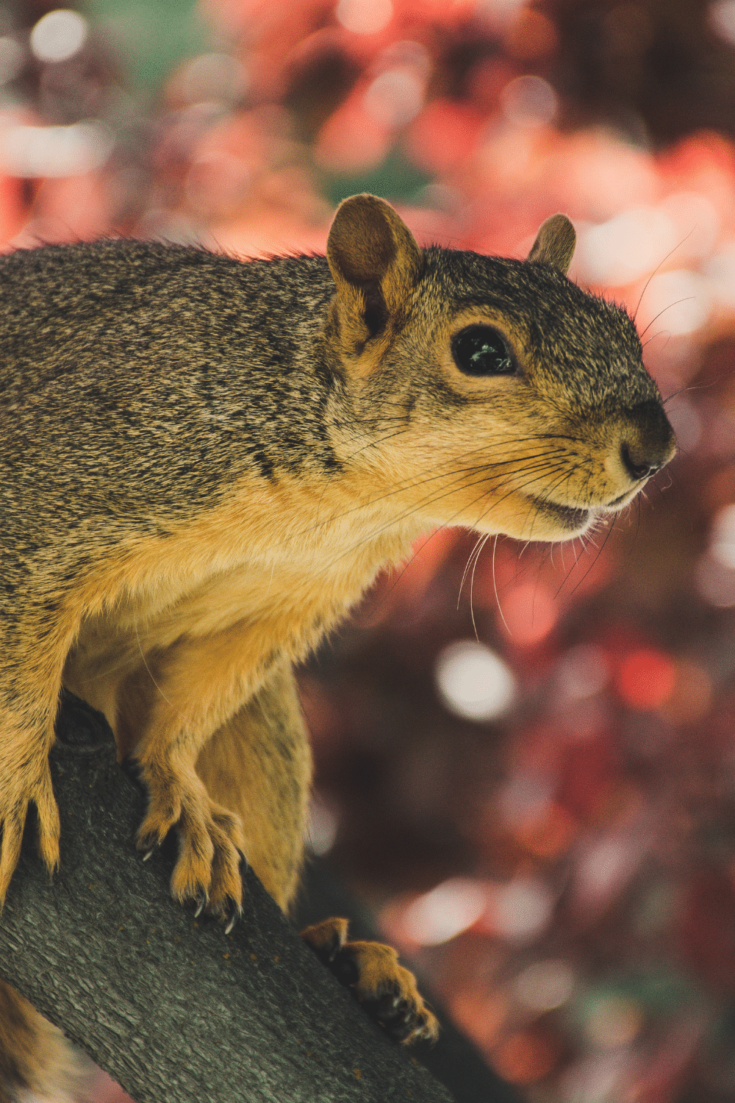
(211, 842)
(371, 971)
(20, 787)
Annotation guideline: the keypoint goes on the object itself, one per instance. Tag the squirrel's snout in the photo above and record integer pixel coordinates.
(648, 443)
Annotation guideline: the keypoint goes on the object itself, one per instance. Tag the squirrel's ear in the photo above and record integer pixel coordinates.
(554, 243)
(374, 260)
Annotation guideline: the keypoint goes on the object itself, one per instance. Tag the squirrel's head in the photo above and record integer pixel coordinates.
(482, 391)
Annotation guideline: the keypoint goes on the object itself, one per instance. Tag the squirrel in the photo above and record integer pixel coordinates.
(206, 461)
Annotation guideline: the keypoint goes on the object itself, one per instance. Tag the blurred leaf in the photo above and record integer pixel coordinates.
(151, 35)
(396, 178)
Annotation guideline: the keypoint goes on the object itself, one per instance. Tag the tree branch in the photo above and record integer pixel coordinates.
(170, 1006)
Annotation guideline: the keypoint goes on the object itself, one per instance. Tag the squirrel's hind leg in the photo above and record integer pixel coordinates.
(258, 765)
(375, 977)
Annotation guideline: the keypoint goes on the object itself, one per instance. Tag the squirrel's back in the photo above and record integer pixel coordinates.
(153, 377)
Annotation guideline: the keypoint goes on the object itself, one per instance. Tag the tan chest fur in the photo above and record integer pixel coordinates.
(259, 579)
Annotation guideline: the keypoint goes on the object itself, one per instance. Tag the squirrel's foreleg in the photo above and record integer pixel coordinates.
(32, 656)
(199, 684)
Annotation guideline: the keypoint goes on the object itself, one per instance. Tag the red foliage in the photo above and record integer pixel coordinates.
(603, 800)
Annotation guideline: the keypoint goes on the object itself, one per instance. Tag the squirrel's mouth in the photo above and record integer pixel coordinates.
(574, 520)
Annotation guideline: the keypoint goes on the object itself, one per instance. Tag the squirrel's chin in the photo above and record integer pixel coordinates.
(565, 522)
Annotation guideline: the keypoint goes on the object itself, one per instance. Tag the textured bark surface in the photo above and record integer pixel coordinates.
(170, 1006)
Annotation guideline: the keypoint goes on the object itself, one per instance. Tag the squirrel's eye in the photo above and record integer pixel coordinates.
(481, 350)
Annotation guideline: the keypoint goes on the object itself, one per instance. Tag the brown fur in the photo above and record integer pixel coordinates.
(34, 1056)
(252, 443)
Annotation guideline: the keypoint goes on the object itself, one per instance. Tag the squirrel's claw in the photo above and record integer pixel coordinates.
(232, 912)
(228, 911)
(403, 1021)
(147, 845)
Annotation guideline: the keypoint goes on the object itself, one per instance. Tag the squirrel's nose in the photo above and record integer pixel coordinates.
(638, 468)
(649, 441)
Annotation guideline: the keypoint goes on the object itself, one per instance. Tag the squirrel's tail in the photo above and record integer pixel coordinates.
(34, 1055)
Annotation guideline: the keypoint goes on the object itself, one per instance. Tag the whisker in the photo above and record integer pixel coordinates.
(521, 463)
(659, 265)
(480, 546)
(598, 552)
(383, 528)
(686, 299)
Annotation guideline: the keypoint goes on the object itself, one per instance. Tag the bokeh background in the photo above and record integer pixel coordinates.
(525, 755)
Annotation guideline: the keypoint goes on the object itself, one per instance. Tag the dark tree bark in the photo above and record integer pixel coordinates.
(170, 1006)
